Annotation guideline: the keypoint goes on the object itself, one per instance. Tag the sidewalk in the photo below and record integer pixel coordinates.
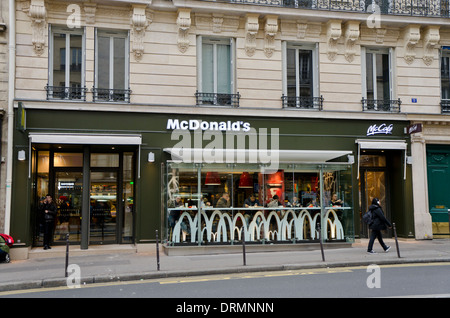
(99, 268)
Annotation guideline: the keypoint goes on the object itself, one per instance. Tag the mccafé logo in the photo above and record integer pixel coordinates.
(382, 129)
(194, 124)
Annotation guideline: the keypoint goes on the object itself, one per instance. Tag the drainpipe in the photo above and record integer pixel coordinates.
(10, 111)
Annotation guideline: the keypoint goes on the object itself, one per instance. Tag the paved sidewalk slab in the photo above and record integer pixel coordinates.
(49, 271)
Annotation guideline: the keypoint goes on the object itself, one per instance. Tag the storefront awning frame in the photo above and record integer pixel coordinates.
(85, 139)
(382, 145)
(209, 155)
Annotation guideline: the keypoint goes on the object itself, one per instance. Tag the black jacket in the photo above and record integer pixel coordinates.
(52, 211)
(379, 220)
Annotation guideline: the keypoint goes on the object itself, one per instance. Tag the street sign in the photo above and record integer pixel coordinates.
(21, 117)
(415, 128)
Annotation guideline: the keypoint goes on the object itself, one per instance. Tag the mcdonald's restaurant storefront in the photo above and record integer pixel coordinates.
(117, 178)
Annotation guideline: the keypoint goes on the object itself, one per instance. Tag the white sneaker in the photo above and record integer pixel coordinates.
(371, 252)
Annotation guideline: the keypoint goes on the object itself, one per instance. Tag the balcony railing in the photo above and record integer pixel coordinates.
(434, 8)
(217, 99)
(66, 93)
(302, 102)
(445, 106)
(381, 105)
(110, 95)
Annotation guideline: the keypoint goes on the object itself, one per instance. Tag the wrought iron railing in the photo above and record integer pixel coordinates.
(66, 93)
(110, 95)
(217, 99)
(381, 105)
(302, 102)
(445, 106)
(434, 8)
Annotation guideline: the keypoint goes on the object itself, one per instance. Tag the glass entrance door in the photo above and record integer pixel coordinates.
(103, 207)
(109, 197)
(373, 184)
(68, 194)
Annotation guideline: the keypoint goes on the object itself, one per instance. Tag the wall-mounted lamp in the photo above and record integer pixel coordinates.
(2, 27)
(409, 160)
(351, 159)
(21, 155)
(151, 157)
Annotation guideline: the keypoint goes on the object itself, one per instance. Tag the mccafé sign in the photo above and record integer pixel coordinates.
(382, 129)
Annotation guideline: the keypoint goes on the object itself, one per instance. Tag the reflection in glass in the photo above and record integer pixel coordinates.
(40, 166)
(67, 59)
(103, 62)
(104, 160)
(67, 159)
(445, 77)
(68, 194)
(372, 161)
(290, 203)
(103, 207)
(377, 76)
(128, 197)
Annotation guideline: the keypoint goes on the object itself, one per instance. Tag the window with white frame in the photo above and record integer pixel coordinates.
(111, 66)
(377, 80)
(445, 79)
(445, 73)
(215, 72)
(66, 64)
(301, 76)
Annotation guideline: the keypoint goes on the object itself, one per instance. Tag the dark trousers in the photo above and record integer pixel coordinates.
(48, 232)
(376, 234)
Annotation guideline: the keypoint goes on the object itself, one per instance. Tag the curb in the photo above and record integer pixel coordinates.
(101, 279)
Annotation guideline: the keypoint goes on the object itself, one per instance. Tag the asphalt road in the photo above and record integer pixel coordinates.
(404, 280)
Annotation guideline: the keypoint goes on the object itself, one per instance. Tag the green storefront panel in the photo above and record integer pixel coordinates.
(294, 134)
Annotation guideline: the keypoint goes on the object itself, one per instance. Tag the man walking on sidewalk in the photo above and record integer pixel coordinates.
(379, 223)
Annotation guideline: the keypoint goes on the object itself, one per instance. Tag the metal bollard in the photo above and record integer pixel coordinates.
(318, 228)
(243, 245)
(157, 251)
(67, 254)
(396, 241)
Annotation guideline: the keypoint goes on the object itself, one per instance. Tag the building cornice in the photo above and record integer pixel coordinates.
(204, 111)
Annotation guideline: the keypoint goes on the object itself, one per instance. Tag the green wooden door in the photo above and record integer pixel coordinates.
(438, 166)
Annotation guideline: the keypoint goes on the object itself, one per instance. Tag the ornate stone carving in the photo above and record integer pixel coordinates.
(38, 15)
(139, 22)
(430, 39)
(380, 33)
(411, 37)
(302, 28)
(89, 11)
(184, 24)
(334, 32)
(251, 30)
(270, 29)
(216, 22)
(350, 36)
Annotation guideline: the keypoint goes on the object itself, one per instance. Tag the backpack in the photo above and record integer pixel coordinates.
(8, 239)
(368, 217)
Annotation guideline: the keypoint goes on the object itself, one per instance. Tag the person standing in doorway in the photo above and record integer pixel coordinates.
(49, 211)
(379, 223)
